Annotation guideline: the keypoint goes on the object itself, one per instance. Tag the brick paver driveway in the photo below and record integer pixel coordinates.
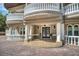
(11, 48)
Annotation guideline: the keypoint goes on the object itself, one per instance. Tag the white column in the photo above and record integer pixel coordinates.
(9, 31)
(30, 32)
(58, 32)
(9, 34)
(16, 32)
(26, 32)
(62, 31)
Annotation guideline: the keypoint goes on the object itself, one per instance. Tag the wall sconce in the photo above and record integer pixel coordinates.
(44, 25)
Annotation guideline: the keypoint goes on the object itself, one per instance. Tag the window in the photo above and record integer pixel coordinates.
(73, 30)
(76, 32)
(69, 30)
(22, 31)
(13, 31)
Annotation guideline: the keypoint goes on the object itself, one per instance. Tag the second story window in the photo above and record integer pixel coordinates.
(73, 30)
(76, 31)
(69, 30)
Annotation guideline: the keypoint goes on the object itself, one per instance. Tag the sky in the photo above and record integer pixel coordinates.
(3, 10)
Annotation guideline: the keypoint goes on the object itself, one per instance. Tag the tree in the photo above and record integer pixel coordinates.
(2, 23)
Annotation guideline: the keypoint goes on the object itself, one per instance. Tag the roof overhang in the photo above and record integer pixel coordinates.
(11, 5)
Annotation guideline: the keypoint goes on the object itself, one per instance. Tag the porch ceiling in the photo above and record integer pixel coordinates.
(72, 15)
(72, 20)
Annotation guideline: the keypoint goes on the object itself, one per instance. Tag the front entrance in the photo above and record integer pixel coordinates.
(46, 32)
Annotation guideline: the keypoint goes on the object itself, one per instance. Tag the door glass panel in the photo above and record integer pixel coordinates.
(69, 30)
(76, 33)
(45, 32)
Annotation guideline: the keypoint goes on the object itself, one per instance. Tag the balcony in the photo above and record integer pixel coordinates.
(42, 11)
(14, 17)
(72, 40)
(72, 9)
(38, 7)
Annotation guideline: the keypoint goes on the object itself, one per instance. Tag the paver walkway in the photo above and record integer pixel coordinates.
(12, 48)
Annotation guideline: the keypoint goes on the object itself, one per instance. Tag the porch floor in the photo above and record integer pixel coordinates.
(41, 43)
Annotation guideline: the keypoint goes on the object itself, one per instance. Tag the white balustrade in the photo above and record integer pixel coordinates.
(71, 8)
(15, 16)
(34, 7)
(15, 37)
(41, 7)
(72, 40)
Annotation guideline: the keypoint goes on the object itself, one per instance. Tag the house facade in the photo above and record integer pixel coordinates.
(53, 22)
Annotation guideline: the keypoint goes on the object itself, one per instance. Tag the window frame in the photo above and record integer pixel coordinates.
(73, 28)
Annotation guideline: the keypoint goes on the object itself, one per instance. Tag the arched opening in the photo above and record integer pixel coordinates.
(69, 30)
(76, 32)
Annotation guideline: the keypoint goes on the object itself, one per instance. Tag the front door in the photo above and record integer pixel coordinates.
(45, 32)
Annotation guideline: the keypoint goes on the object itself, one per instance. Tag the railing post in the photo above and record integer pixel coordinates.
(71, 40)
(74, 41)
(67, 9)
(41, 5)
(44, 5)
(74, 6)
(68, 41)
(70, 8)
(77, 6)
(78, 41)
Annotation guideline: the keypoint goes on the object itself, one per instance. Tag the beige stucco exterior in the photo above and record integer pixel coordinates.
(48, 25)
